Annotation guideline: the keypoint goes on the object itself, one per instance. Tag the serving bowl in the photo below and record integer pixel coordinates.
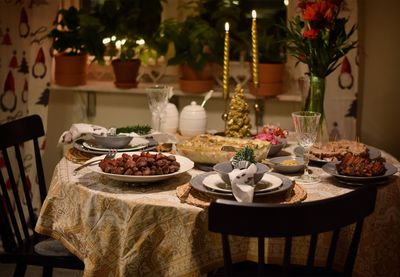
(112, 141)
(287, 164)
(276, 148)
(224, 168)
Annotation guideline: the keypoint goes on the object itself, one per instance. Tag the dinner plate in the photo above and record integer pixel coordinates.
(84, 146)
(373, 154)
(185, 165)
(267, 183)
(287, 184)
(330, 168)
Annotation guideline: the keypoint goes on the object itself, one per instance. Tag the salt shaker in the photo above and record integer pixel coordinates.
(193, 120)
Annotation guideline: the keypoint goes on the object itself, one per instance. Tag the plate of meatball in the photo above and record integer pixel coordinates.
(142, 167)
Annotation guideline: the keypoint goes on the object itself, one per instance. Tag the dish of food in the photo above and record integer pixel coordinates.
(184, 165)
(210, 149)
(89, 146)
(215, 183)
(197, 183)
(330, 168)
(335, 150)
(287, 164)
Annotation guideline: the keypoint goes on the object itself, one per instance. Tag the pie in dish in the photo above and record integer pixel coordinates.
(210, 149)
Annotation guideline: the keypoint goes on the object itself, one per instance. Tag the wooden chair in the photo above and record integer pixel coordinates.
(18, 238)
(290, 220)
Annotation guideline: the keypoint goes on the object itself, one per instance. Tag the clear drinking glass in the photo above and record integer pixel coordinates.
(158, 99)
(306, 126)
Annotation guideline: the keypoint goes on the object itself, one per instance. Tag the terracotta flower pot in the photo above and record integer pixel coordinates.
(126, 73)
(193, 81)
(270, 80)
(70, 70)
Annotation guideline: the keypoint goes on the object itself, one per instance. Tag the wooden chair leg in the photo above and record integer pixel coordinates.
(47, 271)
(20, 269)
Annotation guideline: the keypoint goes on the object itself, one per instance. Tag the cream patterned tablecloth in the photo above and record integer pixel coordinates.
(122, 229)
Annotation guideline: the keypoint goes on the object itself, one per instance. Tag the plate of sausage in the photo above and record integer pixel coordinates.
(141, 167)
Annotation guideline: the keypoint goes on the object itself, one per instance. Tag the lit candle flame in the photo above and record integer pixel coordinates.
(226, 26)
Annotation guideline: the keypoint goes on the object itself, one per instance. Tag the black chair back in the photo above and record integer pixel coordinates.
(15, 226)
(289, 220)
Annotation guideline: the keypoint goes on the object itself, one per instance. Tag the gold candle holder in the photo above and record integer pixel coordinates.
(254, 44)
(225, 80)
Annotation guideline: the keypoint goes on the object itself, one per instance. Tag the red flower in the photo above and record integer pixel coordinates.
(311, 34)
(311, 12)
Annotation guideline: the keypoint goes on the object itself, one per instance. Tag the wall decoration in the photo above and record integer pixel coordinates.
(345, 79)
(8, 99)
(23, 67)
(39, 35)
(13, 62)
(44, 97)
(23, 27)
(6, 38)
(24, 93)
(39, 68)
(352, 112)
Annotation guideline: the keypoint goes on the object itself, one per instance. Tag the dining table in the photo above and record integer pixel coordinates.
(160, 228)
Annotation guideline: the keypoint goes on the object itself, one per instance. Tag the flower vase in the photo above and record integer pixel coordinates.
(315, 103)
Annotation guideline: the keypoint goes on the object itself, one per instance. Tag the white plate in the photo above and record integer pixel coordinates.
(185, 165)
(267, 183)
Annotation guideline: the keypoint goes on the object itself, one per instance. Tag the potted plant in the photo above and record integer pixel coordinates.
(125, 23)
(195, 43)
(271, 65)
(271, 49)
(74, 37)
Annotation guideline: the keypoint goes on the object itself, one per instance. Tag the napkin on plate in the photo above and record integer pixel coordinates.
(242, 183)
(79, 129)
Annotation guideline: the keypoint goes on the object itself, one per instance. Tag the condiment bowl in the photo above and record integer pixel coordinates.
(224, 168)
(287, 164)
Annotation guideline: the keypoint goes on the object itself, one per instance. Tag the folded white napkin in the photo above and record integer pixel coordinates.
(242, 183)
(79, 129)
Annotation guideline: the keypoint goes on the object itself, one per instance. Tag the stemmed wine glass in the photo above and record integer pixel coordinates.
(158, 99)
(306, 126)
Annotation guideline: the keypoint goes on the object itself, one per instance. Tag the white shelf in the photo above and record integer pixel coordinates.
(109, 87)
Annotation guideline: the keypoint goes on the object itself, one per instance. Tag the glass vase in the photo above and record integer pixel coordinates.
(315, 103)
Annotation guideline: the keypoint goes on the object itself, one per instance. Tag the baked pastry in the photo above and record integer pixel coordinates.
(210, 149)
(335, 150)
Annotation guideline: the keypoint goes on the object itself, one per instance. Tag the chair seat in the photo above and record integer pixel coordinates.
(51, 247)
(247, 269)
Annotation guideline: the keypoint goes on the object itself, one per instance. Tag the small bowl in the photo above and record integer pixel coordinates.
(276, 148)
(283, 168)
(225, 168)
(112, 141)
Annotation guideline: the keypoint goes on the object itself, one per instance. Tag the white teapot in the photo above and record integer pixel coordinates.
(193, 120)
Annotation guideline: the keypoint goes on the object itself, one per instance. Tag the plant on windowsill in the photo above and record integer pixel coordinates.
(272, 60)
(74, 37)
(195, 45)
(126, 22)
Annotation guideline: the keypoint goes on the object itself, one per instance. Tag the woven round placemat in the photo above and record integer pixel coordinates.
(191, 196)
(76, 156)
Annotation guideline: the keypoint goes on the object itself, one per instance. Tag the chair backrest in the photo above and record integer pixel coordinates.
(14, 225)
(289, 220)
